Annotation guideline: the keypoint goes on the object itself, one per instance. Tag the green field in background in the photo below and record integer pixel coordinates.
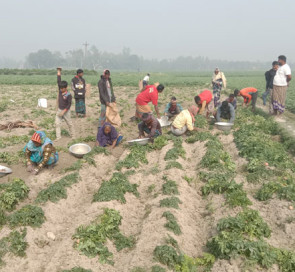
(193, 79)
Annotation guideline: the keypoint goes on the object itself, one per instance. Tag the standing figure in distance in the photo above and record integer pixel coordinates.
(78, 86)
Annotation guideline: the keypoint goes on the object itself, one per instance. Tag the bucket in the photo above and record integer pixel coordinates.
(42, 102)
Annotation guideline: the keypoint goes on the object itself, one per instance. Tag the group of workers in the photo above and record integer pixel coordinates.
(40, 151)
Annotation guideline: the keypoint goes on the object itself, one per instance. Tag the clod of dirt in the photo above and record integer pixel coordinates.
(51, 235)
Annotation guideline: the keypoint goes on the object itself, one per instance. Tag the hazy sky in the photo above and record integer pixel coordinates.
(228, 29)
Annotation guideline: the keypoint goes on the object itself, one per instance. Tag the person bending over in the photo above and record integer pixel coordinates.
(149, 125)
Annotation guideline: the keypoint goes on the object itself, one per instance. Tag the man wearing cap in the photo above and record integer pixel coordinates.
(218, 81)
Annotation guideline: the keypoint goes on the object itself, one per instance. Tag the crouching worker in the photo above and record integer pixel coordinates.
(108, 136)
(40, 152)
(173, 108)
(249, 94)
(184, 121)
(225, 111)
(205, 102)
(149, 125)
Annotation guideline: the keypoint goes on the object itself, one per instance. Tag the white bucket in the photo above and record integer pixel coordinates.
(42, 102)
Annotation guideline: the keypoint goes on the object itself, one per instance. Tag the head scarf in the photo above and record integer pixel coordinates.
(193, 111)
(39, 137)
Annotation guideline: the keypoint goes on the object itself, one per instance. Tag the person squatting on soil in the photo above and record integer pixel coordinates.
(204, 101)
(108, 136)
(149, 125)
(150, 94)
(172, 108)
(218, 82)
(280, 85)
(184, 121)
(232, 100)
(78, 86)
(40, 152)
(225, 111)
(249, 94)
(64, 106)
(106, 95)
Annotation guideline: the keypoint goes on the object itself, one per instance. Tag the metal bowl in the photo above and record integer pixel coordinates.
(224, 126)
(143, 141)
(164, 121)
(79, 150)
(4, 171)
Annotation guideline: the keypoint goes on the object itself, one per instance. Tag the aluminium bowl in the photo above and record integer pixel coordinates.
(79, 150)
(4, 171)
(143, 141)
(224, 126)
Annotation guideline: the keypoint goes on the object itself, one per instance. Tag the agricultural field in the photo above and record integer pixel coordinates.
(208, 201)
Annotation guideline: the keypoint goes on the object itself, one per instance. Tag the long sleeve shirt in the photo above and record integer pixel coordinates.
(247, 94)
(47, 152)
(103, 91)
(182, 119)
(269, 76)
(78, 86)
(229, 114)
(64, 99)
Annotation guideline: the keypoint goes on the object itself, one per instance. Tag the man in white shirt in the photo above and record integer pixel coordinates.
(145, 81)
(280, 86)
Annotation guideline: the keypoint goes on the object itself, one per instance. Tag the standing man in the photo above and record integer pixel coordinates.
(269, 76)
(106, 95)
(150, 94)
(218, 81)
(64, 106)
(249, 94)
(78, 86)
(280, 86)
(146, 80)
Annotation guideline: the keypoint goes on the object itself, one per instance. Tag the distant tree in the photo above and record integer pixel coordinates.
(43, 59)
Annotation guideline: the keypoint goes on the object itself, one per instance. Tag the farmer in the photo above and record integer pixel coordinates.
(225, 111)
(108, 136)
(232, 100)
(40, 152)
(78, 86)
(149, 125)
(269, 76)
(184, 121)
(146, 80)
(218, 81)
(204, 101)
(280, 85)
(249, 94)
(150, 94)
(64, 106)
(172, 108)
(106, 95)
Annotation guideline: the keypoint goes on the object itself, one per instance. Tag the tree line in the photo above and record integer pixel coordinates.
(94, 59)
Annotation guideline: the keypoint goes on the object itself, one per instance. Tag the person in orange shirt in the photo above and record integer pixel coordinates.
(249, 94)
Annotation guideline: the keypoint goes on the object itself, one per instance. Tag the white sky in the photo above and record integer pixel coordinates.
(228, 29)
